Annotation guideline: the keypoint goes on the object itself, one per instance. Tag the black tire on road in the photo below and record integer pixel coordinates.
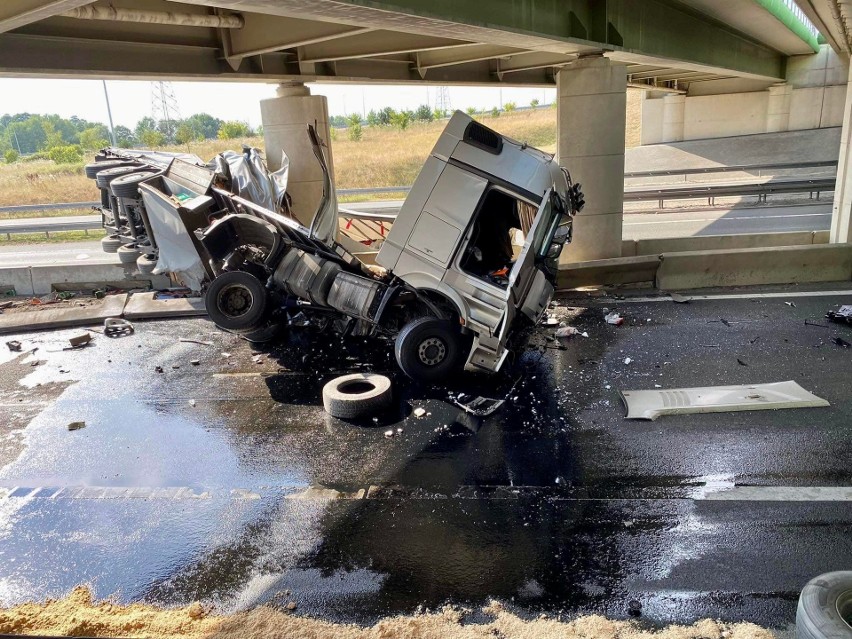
(128, 254)
(105, 177)
(127, 186)
(94, 168)
(146, 263)
(825, 607)
(356, 395)
(429, 350)
(111, 243)
(237, 301)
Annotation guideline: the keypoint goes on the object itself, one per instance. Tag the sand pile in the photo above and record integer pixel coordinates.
(77, 614)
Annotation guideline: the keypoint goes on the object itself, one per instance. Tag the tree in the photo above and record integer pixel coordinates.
(52, 137)
(204, 125)
(68, 154)
(95, 137)
(354, 122)
(11, 155)
(152, 138)
(185, 134)
(386, 116)
(471, 111)
(534, 103)
(440, 114)
(124, 137)
(495, 112)
(373, 118)
(509, 107)
(401, 119)
(423, 113)
(337, 121)
(145, 124)
(233, 129)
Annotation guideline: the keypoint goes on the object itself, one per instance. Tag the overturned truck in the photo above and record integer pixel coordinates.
(466, 270)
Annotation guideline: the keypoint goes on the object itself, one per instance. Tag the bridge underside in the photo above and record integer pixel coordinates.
(664, 43)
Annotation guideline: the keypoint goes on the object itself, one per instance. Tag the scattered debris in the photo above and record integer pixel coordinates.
(677, 298)
(76, 425)
(627, 360)
(14, 346)
(709, 345)
(116, 326)
(389, 433)
(479, 406)
(566, 331)
(724, 321)
(79, 341)
(614, 318)
(6, 304)
(419, 411)
(817, 324)
(741, 362)
(292, 605)
(196, 341)
(791, 304)
(158, 369)
(195, 362)
(551, 321)
(754, 341)
(650, 404)
(843, 314)
(842, 342)
(257, 359)
(99, 294)
(192, 402)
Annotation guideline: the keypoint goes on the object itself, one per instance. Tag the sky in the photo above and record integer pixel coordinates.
(131, 101)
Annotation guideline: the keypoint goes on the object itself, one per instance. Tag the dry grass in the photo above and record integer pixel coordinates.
(383, 157)
(78, 615)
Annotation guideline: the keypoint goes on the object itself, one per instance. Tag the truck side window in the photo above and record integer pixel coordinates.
(489, 253)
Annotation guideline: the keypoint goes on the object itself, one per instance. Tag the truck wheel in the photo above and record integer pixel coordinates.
(356, 395)
(128, 254)
(237, 301)
(94, 168)
(111, 243)
(127, 186)
(146, 263)
(429, 349)
(825, 607)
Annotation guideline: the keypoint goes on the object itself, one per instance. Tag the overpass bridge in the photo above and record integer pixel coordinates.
(590, 50)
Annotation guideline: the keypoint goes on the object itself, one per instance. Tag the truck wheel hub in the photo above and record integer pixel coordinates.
(235, 300)
(432, 351)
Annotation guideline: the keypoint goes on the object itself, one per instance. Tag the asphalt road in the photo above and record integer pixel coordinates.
(226, 481)
(636, 226)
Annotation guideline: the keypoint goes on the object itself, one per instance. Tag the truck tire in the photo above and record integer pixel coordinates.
(94, 168)
(356, 395)
(128, 254)
(429, 350)
(127, 186)
(146, 263)
(237, 301)
(111, 243)
(105, 177)
(825, 607)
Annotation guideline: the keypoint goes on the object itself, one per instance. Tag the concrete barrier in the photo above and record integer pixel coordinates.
(40, 280)
(741, 267)
(630, 248)
(623, 270)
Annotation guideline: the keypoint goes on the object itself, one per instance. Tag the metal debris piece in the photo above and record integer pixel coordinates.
(842, 343)
(80, 340)
(195, 341)
(480, 406)
(843, 314)
(195, 362)
(741, 362)
(14, 346)
(791, 304)
(76, 425)
(158, 369)
(614, 318)
(117, 326)
(650, 404)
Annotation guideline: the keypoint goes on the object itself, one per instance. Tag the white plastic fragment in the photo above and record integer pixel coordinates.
(566, 331)
(614, 318)
(419, 411)
(627, 360)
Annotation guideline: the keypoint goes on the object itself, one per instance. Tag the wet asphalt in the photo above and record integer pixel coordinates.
(226, 482)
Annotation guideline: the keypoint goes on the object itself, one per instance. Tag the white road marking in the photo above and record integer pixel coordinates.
(727, 296)
(781, 493)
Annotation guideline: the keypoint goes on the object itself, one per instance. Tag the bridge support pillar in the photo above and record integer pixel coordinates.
(778, 111)
(285, 128)
(674, 106)
(841, 214)
(591, 102)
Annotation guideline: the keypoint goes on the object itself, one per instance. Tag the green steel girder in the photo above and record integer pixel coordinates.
(664, 29)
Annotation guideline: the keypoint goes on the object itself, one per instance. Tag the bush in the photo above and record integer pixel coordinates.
(401, 119)
(509, 107)
(355, 132)
(534, 103)
(471, 111)
(495, 112)
(423, 113)
(35, 157)
(68, 154)
(152, 138)
(233, 129)
(10, 156)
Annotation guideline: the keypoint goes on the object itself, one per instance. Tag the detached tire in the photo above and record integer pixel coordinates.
(356, 395)
(429, 350)
(237, 301)
(825, 607)
(111, 243)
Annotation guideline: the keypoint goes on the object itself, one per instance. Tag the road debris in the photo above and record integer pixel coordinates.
(650, 404)
(196, 341)
(791, 304)
(78, 341)
(479, 406)
(677, 298)
(817, 324)
(627, 360)
(569, 331)
(741, 362)
(842, 343)
(551, 321)
(76, 425)
(195, 362)
(614, 318)
(158, 369)
(14, 346)
(419, 411)
(843, 314)
(116, 327)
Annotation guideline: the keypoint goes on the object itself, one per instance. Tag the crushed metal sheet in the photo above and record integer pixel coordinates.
(650, 404)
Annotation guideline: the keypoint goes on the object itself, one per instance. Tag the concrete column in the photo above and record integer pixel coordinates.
(778, 109)
(841, 214)
(674, 105)
(285, 128)
(590, 120)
